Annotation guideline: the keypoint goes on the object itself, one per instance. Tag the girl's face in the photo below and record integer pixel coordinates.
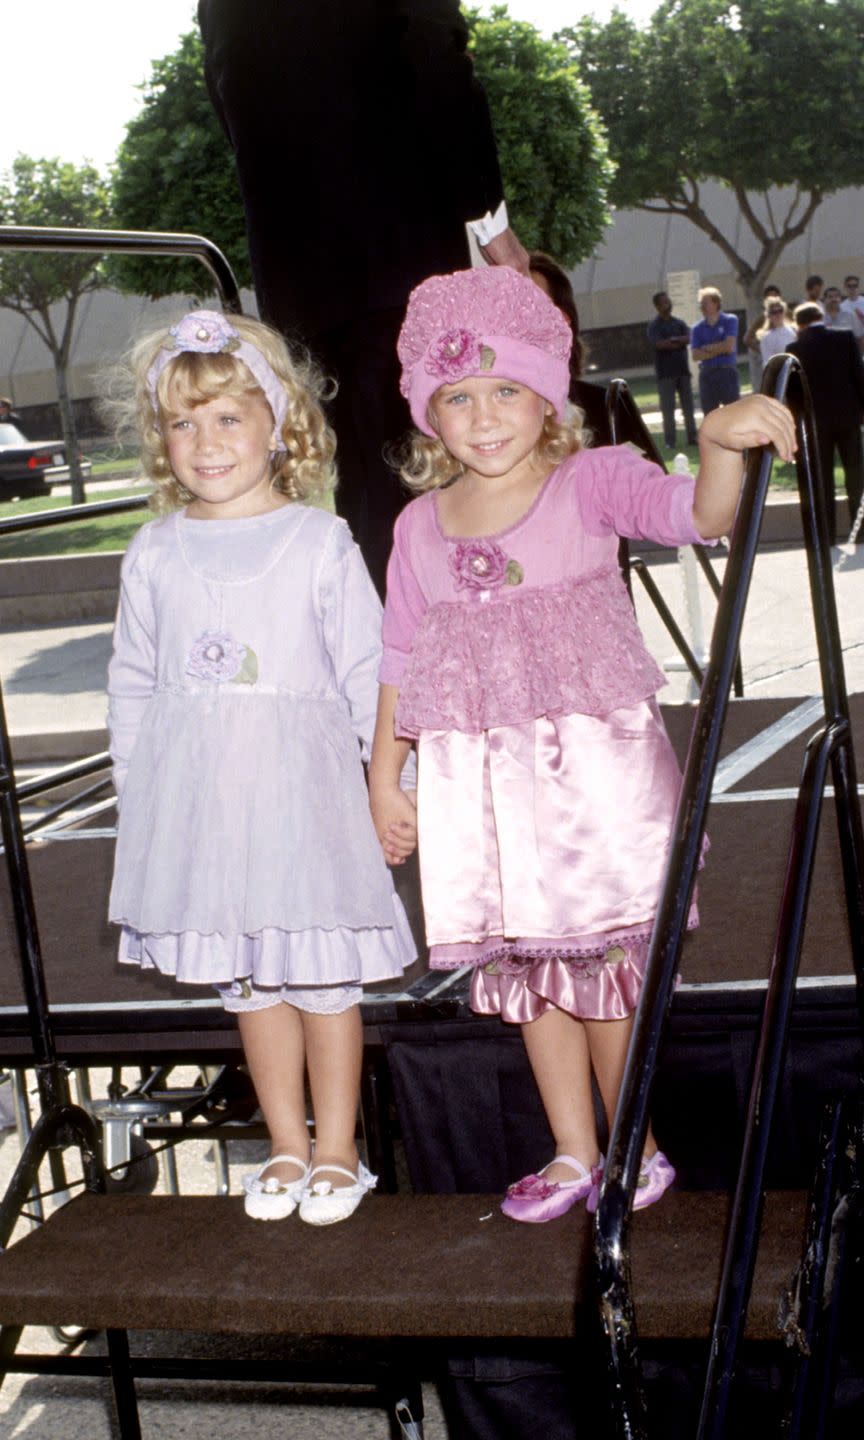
(220, 452)
(492, 426)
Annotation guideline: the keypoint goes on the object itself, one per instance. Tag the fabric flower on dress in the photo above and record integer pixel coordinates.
(482, 565)
(218, 657)
(205, 332)
(454, 354)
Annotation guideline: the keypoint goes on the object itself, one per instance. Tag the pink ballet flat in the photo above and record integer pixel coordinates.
(655, 1176)
(596, 1178)
(534, 1200)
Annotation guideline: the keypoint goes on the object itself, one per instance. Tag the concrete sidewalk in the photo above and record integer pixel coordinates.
(53, 675)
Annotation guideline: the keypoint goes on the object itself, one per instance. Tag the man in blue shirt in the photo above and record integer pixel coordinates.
(670, 338)
(714, 342)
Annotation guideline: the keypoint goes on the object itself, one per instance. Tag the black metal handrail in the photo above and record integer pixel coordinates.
(58, 239)
(783, 378)
(61, 1121)
(70, 514)
(626, 425)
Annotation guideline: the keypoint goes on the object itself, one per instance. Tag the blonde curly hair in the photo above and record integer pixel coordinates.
(425, 463)
(304, 469)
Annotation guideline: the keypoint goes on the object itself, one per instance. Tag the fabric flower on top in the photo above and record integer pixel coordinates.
(478, 565)
(218, 657)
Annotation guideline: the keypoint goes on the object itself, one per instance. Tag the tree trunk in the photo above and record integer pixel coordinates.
(70, 433)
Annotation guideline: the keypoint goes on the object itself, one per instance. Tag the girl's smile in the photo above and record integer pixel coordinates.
(221, 452)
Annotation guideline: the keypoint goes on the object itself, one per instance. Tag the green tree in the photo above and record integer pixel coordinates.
(175, 171)
(763, 96)
(52, 192)
(551, 144)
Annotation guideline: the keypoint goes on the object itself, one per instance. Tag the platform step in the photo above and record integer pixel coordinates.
(428, 1266)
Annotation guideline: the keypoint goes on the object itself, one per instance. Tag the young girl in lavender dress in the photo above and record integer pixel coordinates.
(242, 686)
(546, 781)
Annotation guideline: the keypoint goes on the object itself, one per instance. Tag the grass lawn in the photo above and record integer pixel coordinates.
(126, 467)
(111, 532)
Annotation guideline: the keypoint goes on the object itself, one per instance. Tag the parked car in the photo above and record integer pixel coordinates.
(31, 467)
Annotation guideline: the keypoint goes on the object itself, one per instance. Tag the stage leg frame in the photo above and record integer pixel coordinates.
(784, 379)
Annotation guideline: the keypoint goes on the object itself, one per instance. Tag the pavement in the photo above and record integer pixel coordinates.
(54, 675)
(53, 678)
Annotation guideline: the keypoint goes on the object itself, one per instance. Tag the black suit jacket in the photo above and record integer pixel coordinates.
(363, 143)
(835, 373)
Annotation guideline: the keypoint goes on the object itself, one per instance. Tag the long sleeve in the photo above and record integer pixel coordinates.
(132, 668)
(351, 613)
(405, 607)
(621, 492)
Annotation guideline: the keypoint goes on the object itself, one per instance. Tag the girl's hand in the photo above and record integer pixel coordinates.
(394, 815)
(755, 420)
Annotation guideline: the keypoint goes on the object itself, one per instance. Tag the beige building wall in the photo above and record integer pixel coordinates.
(639, 250)
(613, 288)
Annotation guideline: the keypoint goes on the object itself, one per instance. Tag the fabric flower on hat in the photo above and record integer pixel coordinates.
(454, 354)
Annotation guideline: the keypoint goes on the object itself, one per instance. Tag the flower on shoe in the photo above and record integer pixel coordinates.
(454, 354)
(217, 656)
(533, 1186)
(204, 331)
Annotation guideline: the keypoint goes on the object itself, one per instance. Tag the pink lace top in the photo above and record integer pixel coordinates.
(535, 619)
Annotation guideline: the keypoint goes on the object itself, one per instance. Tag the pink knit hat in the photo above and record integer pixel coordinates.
(486, 322)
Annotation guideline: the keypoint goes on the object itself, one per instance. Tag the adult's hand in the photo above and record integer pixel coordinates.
(506, 249)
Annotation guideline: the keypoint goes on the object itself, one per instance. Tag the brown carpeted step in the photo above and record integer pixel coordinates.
(431, 1266)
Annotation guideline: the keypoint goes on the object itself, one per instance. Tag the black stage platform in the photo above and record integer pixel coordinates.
(101, 1010)
(471, 1074)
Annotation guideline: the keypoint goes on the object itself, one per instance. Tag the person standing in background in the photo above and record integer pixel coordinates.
(854, 304)
(839, 318)
(341, 117)
(714, 341)
(813, 287)
(776, 330)
(751, 338)
(835, 374)
(670, 338)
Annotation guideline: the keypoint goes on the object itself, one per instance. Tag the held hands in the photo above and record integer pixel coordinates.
(394, 815)
(755, 420)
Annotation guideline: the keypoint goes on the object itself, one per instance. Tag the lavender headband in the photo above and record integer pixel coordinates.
(206, 332)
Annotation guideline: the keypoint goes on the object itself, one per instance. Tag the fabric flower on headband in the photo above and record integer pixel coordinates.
(206, 332)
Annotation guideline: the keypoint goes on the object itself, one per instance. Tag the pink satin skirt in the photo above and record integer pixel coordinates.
(542, 853)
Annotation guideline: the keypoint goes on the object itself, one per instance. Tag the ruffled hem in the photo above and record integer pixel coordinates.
(273, 957)
(571, 647)
(610, 993)
(594, 977)
(511, 956)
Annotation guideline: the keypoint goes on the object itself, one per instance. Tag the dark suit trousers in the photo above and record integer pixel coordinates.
(369, 417)
(847, 443)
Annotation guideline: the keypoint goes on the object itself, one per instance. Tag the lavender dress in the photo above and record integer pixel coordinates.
(547, 783)
(242, 685)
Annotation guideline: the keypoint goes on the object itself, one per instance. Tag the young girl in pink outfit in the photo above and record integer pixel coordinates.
(242, 686)
(547, 784)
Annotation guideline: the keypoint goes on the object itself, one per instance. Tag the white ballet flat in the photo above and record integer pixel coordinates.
(274, 1199)
(322, 1204)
